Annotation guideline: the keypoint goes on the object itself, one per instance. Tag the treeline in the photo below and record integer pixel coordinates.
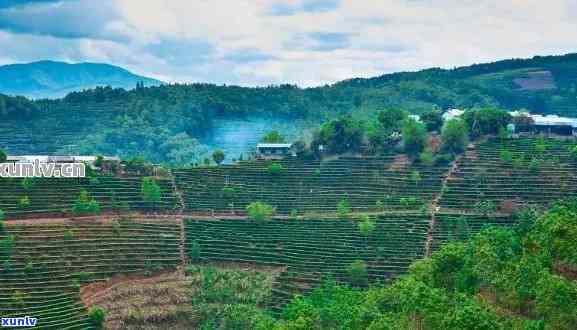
(142, 120)
(518, 278)
(427, 138)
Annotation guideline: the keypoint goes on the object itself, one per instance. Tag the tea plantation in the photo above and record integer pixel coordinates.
(398, 212)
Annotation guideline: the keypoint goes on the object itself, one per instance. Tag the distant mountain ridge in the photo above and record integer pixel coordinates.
(52, 79)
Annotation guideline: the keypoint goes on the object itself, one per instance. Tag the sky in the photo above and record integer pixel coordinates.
(265, 42)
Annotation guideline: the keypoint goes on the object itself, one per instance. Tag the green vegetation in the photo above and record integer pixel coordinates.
(414, 137)
(230, 299)
(85, 205)
(97, 317)
(273, 137)
(275, 169)
(150, 190)
(344, 208)
(517, 278)
(164, 123)
(3, 156)
(259, 211)
(357, 272)
(455, 136)
(218, 156)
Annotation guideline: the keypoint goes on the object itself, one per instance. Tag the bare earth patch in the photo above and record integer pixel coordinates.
(400, 163)
(160, 301)
(537, 80)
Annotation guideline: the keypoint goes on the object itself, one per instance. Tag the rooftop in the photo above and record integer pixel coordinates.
(274, 145)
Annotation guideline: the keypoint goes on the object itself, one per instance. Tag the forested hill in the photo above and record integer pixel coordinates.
(163, 122)
(51, 79)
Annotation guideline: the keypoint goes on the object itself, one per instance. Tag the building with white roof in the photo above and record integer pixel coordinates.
(452, 114)
(273, 150)
(551, 124)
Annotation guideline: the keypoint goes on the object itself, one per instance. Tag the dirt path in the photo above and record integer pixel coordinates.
(434, 205)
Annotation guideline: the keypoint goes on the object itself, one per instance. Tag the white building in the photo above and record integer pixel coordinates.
(273, 150)
(58, 159)
(452, 114)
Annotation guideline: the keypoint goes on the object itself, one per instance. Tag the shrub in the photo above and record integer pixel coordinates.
(24, 202)
(97, 316)
(344, 208)
(275, 169)
(3, 156)
(366, 226)
(426, 157)
(82, 277)
(260, 211)
(357, 272)
(27, 183)
(150, 190)
(195, 251)
(444, 159)
(85, 205)
(2, 218)
(506, 156)
(68, 235)
(486, 207)
(6, 246)
(29, 268)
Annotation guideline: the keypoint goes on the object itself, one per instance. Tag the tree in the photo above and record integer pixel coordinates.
(85, 205)
(414, 137)
(433, 120)
(557, 301)
(97, 316)
(218, 156)
(486, 120)
(150, 190)
(455, 136)
(344, 208)
(357, 272)
(366, 226)
(259, 211)
(391, 119)
(273, 137)
(339, 136)
(3, 156)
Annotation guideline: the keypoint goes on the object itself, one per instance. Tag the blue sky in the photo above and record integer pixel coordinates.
(262, 42)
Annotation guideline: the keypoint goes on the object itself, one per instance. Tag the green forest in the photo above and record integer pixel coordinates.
(517, 278)
(165, 123)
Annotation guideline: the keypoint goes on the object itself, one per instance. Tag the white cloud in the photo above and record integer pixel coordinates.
(306, 42)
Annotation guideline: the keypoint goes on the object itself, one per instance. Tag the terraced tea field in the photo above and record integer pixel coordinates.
(311, 249)
(513, 173)
(312, 186)
(56, 195)
(45, 263)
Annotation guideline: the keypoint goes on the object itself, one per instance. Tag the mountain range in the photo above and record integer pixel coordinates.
(51, 79)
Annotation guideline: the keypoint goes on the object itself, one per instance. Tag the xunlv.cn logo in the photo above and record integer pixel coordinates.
(25, 321)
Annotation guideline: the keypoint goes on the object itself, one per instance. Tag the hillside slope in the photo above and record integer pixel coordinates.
(164, 123)
(50, 79)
